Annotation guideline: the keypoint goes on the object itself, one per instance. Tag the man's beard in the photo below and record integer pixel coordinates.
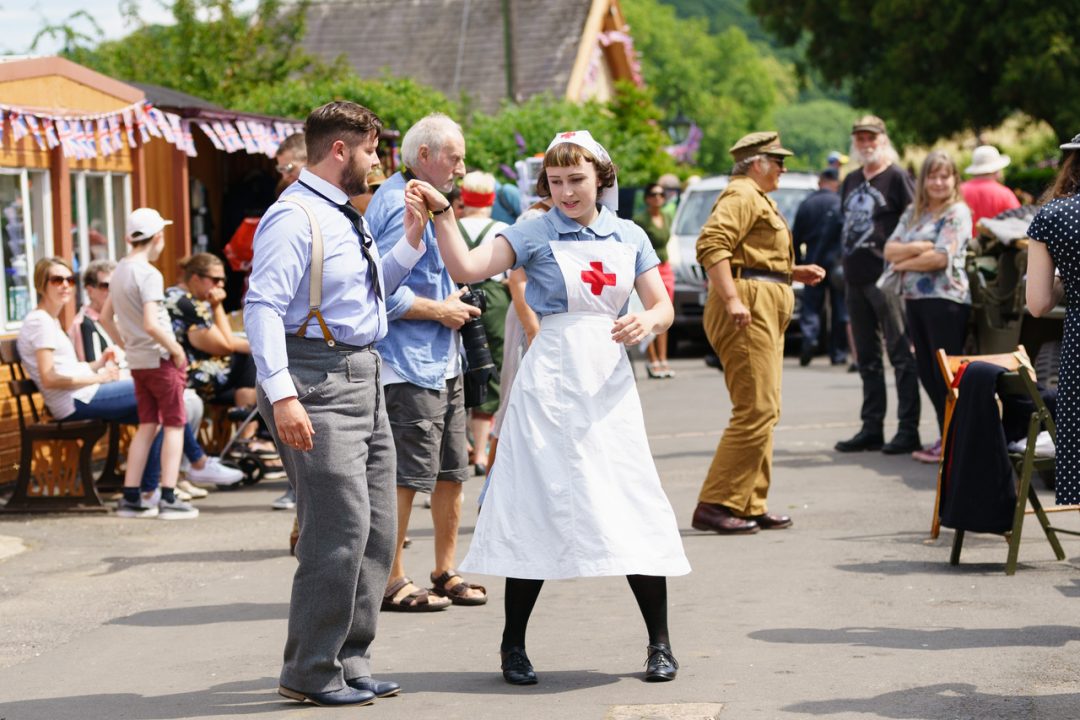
(870, 156)
(353, 182)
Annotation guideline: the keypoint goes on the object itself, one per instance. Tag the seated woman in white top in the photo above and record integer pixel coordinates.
(74, 390)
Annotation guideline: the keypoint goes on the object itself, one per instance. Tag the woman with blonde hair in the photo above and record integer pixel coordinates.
(928, 249)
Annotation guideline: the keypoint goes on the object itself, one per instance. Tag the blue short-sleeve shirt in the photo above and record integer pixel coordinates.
(545, 291)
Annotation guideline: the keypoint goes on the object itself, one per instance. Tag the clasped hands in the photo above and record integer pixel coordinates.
(421, 199)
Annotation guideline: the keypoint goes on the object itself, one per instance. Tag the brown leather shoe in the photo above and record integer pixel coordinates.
(769, 521)
(717, 518)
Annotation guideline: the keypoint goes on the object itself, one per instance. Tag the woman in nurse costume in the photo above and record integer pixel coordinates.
(574, 490)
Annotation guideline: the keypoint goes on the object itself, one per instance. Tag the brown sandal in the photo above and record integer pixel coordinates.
(416, 601)
(457, 593)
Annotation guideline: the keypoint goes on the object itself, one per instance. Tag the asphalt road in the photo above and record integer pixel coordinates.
(852, 613)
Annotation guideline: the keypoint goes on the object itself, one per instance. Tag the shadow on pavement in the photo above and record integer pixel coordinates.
(915, 567)
(938, 639)
(948, 700)
(244, 697)
(205, 615)
(490, 682)
(117, 564)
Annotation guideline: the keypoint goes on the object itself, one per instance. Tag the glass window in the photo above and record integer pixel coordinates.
(97, 218)
(13, 233)
(40, 216)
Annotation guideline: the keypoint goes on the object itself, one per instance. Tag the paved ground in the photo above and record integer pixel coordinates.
(853, 613)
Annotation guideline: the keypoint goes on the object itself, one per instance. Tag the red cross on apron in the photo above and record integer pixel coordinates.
(596, 278)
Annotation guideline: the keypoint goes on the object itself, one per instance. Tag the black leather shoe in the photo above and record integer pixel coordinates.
(902, 444)
(769, 521)
(661, 665)
(345, 696)
(516, 668)
(863, 440)
(720, 519)
(806, 356)
(379, 688)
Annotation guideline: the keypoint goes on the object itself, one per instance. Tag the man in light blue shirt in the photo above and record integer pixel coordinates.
(423, 373)
(319, 392)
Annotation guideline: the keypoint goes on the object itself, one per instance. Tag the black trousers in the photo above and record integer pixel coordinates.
(935, 323)
(874, 317)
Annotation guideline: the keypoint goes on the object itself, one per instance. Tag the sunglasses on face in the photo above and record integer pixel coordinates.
(100, 285)
(655, 193)
(59, 280)
(218, 279)
(778, 160)
(286, 169)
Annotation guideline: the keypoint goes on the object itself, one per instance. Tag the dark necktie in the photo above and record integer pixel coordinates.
(365, 241)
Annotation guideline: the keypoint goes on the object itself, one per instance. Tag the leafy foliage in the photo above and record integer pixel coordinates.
(399, 102)
(722, 82)
(942, 66)
(219, 59)
(814, 129)
(626, 127)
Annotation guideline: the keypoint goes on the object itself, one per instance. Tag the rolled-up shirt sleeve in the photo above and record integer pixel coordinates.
(730, 221)
(282, 254)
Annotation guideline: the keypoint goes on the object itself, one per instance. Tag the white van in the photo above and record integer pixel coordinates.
(695, 205)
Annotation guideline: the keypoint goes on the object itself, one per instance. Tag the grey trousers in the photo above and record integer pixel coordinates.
(346, 501)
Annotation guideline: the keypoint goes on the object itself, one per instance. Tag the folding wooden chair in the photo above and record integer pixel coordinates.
(1018, 380)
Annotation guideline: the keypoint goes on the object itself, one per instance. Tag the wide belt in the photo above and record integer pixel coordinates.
(746, 273)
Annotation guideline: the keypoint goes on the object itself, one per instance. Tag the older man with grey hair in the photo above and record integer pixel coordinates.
(872, 199)
(422, 373)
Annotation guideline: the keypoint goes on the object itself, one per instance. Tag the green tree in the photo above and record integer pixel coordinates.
(626, 126)
(399, 102)
(943, 66)
(218, 59)
(722, 82)
(813, 129)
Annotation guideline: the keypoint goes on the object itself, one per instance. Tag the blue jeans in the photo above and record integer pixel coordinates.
(115, 402)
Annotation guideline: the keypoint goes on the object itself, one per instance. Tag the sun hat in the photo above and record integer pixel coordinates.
(986, 160)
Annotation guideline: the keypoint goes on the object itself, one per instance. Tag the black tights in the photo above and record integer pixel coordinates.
(650, 591)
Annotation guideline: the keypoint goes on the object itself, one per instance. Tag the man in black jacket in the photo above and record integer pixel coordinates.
(817, 241)
(872, 200)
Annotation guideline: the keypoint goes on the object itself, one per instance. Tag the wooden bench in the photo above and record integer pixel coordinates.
(61, 452)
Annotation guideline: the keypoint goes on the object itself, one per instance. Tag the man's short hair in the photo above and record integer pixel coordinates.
(338, 120)
(431, 130)
(829, 174)
(94, 269)
(294, 144)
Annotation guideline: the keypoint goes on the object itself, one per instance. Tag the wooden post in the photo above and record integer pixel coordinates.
(63, 239)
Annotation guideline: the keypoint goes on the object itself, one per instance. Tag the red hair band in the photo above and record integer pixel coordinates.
(477, 199)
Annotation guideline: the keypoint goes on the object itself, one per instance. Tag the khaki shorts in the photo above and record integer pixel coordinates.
(429, 434)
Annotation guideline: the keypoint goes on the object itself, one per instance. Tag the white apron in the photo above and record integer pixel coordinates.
(574, 491)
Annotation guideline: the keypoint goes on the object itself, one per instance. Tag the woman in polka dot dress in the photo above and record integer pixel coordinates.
(1054, 274)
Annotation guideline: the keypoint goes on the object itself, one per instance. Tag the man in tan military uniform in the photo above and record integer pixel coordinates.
(747, 252)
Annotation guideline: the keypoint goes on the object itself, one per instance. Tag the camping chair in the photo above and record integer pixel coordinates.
(1017, 380)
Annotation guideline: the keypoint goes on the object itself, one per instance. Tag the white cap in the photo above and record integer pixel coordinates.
(145, 223)
(609, 197)
(985, 160)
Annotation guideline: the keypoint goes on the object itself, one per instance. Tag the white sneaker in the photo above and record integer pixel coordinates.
(214, 473)
(286, 501)
(192, 490)
(177, 510)
(126, 509)
(180, 494)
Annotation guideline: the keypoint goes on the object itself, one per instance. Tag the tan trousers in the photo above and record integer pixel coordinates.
(753, 365)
